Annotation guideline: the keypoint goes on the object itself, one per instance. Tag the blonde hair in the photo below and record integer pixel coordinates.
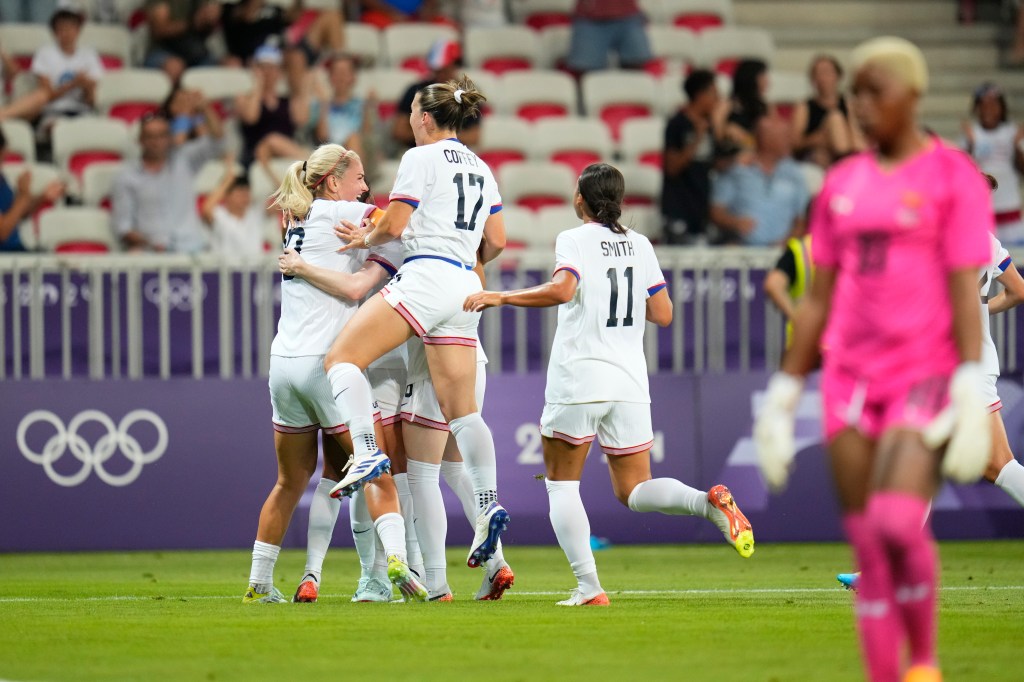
(304, 180)
(899, 57)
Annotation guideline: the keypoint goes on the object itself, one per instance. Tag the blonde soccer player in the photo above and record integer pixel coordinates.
(446, 207)
(310, 197)
(607, 284)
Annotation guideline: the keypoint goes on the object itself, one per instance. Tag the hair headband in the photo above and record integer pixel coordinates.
(329, 171)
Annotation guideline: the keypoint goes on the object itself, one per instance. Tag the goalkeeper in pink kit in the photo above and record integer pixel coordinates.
(901, 383)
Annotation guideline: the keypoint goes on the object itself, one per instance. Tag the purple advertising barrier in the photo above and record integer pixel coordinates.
(187, 464)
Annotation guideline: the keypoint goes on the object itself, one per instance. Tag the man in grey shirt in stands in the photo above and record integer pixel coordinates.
(154, 202)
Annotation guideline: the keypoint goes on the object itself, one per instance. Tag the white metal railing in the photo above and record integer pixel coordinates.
(132, 316)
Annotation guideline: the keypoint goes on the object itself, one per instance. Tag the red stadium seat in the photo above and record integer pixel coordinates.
(538, 21)
(535, 112)
(697, 21)
(500, 65)
(78, 161)
(615, 115)
(618, 96)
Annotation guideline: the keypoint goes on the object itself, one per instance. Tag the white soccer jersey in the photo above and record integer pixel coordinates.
(453, 192)
(1000, 261)
(311, 318)
(598, 351)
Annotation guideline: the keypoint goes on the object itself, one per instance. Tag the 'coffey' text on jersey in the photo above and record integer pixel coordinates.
(598, 351)
(453, 192)
(311, 318)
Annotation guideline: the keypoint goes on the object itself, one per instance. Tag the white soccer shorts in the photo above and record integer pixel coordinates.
(991, 394)
(301, 396)
(388, 386)
(620, 428)
(429, 294)
(420, 402)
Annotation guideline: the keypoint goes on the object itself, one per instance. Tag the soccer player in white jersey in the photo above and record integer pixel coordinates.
(300, 394)
(446, 207)
(607, 282)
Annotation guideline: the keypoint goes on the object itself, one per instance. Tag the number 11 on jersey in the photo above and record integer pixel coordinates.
(613, 307)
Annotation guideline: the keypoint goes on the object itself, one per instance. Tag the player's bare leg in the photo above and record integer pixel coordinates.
(1003, 470)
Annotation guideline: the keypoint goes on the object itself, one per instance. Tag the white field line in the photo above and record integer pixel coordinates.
(515, 593)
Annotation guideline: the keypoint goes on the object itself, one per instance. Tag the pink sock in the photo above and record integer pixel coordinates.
(879, 625)
(897, 519)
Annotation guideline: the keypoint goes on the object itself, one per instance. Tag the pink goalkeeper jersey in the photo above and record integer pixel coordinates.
(893, 238)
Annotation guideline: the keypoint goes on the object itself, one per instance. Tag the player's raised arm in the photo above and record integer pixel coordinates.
(351, 285)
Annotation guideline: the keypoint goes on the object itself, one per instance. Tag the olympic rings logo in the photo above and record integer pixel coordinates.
(179, 293)
(94, 456)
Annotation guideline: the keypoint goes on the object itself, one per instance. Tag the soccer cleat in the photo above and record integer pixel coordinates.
(923, 673)
(444, 594)
(731, 521)
(491, 523)
(849, 580)
(372, 590)
(576, 598)
(360, 472)
(493, 586)
(402, 578)
(273, 596)
(307, 592)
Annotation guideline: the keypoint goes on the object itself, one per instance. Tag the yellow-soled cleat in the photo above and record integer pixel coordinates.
(274, 596)
(731, 521)
(404, 579)
(923, 673)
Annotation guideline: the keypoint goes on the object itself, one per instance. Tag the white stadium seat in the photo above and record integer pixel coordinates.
(128, 94)
(363, 41)
(721, 48)
(406, 45)
(212, 173)
(77, 229)
(693, 15)
(98, 182)
(520, 224)
(643, 184)
(380, 188)
(114, 43)
(262, 184)
(554, 43)
(218, 82)
(42, 175)
(533, 95)
(787, 87)
(79, 142)
(644, 219)
(21, 141)
(673, 46)
(643, 140)
(533, 185)
(573, 142)
(504, 139)
(21, 41)
(388, 85)
(509, 48)
(552, 221)
(539, 14)
(616, 96)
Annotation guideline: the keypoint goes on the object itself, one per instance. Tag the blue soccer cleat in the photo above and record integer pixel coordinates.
(849, 580)
(491, 523)
(361, 472)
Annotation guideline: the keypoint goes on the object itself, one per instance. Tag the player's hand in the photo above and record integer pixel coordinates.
(353, 237)
(774, 429)
(290, 263)
(482, 300)
(53, 191)
(965, 424)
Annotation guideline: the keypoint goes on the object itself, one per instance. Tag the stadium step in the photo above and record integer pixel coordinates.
(859, 13)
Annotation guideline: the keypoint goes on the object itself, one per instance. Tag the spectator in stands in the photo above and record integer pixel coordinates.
(600, 27)
(383, 13)
(235, 223)
(995, 143)
(183, 108)
(747, 104)
(178, 32)
(348, 117)
(19, 203)
(687, 161)
(27, 11)
(154, 202)
(263, 112)
(445, 62)
(248, 24)
(308, 96)
(66, 74)
(762, 203)
(823, 129)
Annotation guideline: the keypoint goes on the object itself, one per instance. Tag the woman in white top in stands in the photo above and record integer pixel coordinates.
(607, 283)
(995, 143)
(445, 206)
(311, 198)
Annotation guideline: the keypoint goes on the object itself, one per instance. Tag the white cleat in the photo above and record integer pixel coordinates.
(272, 596)
(490, 524)
(360, 472)
(372, 590)
(576, 598)
(495, 582)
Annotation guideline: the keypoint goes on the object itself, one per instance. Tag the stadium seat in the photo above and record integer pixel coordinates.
(786, 89)
(389, 86)
(534, 185)
(405, 46)
(113, 42)
(77, 229)
(573, 142)
(552, 221)
(79, 142)
(42, 174)
(212, 172)
(643, 184)
(21, 41)
(490, 85)
(380, 188)
(129, 94)
(643, 141)
(519, 226)
(98, 182)
(722, 48)
(539, 14)
(616, 96)
(554, 45)
(262, 184)
(674, 49)
(534, 95)
(509, 48)
(21, 141)
(504, 139)
(220, 84)
(364, 41)
(696, 15)
(644, 219)
(671, 95)
(814, 177)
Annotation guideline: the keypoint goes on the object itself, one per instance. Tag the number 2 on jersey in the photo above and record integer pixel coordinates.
(460, 219)
(298, 233)
(613, 307)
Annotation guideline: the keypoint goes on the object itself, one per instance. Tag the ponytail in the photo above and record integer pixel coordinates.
(304, 180)
(602, 188)
(293, 197)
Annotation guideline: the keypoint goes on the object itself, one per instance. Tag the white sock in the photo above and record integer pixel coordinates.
(405, 503)
(454, 474)
(264, 556)
(431, 521)
(352, 392)
(1011, 479)
(477, 447)
(391, 531)
(572, 528)
(362, 525)
(669, 496)
(379, 571)
(323, 514)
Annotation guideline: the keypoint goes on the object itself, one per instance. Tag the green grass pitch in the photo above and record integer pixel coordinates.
(678, 613)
